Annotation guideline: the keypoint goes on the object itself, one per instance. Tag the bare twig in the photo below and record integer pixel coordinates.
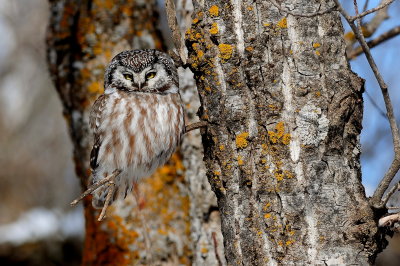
(372, 10)
(368, 29)
(95, 186)
(176, 34)
(374, 104)
(365, 5)
(380, 39)
(395, 166)
(386, 198)
(110, 193)
(317, 13)
(389, 220)
(195, 126)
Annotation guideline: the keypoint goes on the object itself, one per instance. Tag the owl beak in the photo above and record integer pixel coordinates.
(138, 85)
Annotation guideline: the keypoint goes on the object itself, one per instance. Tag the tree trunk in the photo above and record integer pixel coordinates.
(83, 36)
(282, 146)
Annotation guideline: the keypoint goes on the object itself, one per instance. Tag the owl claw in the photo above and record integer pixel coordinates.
(107, 180)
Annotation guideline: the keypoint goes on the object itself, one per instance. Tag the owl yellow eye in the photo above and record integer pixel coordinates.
(150, 75)
(128, 76)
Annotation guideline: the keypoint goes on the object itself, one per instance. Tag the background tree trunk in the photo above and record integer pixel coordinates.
(174, 218)
(83, 37)
(282, 146)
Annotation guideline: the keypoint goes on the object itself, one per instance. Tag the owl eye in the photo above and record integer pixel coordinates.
(128, 76)
(150, 75)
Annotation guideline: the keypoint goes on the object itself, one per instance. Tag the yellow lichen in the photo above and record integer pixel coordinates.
(267, 24)
(225, 51)
(241, 140)
(279, 134)
(286, 139)
(289, 242)
(316, 45)
(221, 147)
(214, 28)
(278, 175)
(195, 21)
(214, 11)
(282, 23)
(317, 53)
(240, 160)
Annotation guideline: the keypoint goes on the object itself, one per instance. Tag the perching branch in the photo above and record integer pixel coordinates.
(195, 126)
(395, 166)
(109, 180)
(371, 44)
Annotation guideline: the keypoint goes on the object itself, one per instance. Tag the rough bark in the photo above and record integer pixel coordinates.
(206, 237)
(282, 146)
(83, 36)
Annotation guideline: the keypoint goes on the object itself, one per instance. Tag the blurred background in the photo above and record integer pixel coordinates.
(37, 225)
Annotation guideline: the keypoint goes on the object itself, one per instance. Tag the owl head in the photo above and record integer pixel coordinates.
(142, 71)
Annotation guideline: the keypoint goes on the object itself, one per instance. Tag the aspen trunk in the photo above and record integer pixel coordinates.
(282, 146)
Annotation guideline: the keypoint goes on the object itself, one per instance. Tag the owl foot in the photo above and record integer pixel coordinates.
(109, 180)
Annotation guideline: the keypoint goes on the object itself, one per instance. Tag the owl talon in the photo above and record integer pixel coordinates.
(109, 179)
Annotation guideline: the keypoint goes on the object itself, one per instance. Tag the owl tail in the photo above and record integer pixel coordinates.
(122, 188)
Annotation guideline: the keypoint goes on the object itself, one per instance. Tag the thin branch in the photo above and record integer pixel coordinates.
(371, 44)
(310, 15)
(95, 186)
(371, 27)
(195, 126)
(176, 34)
(363, 14)
(374, 104)
(365, 5)
(389, 194)
(395, 166)
(110, 193)
(389, 220)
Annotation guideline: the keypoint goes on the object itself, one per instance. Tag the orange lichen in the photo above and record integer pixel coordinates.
(267, 215)
(316, 45)
(279, 134)
(282, 23)
(214, 28)
(241, 140)
(225, 51)
(214, 11)
(240, 160)
(249, 49)
(289, 242)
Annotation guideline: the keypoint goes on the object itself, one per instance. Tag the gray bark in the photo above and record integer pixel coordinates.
(282, 146)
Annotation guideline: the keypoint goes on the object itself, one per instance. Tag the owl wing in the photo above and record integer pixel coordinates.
(94, 121)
